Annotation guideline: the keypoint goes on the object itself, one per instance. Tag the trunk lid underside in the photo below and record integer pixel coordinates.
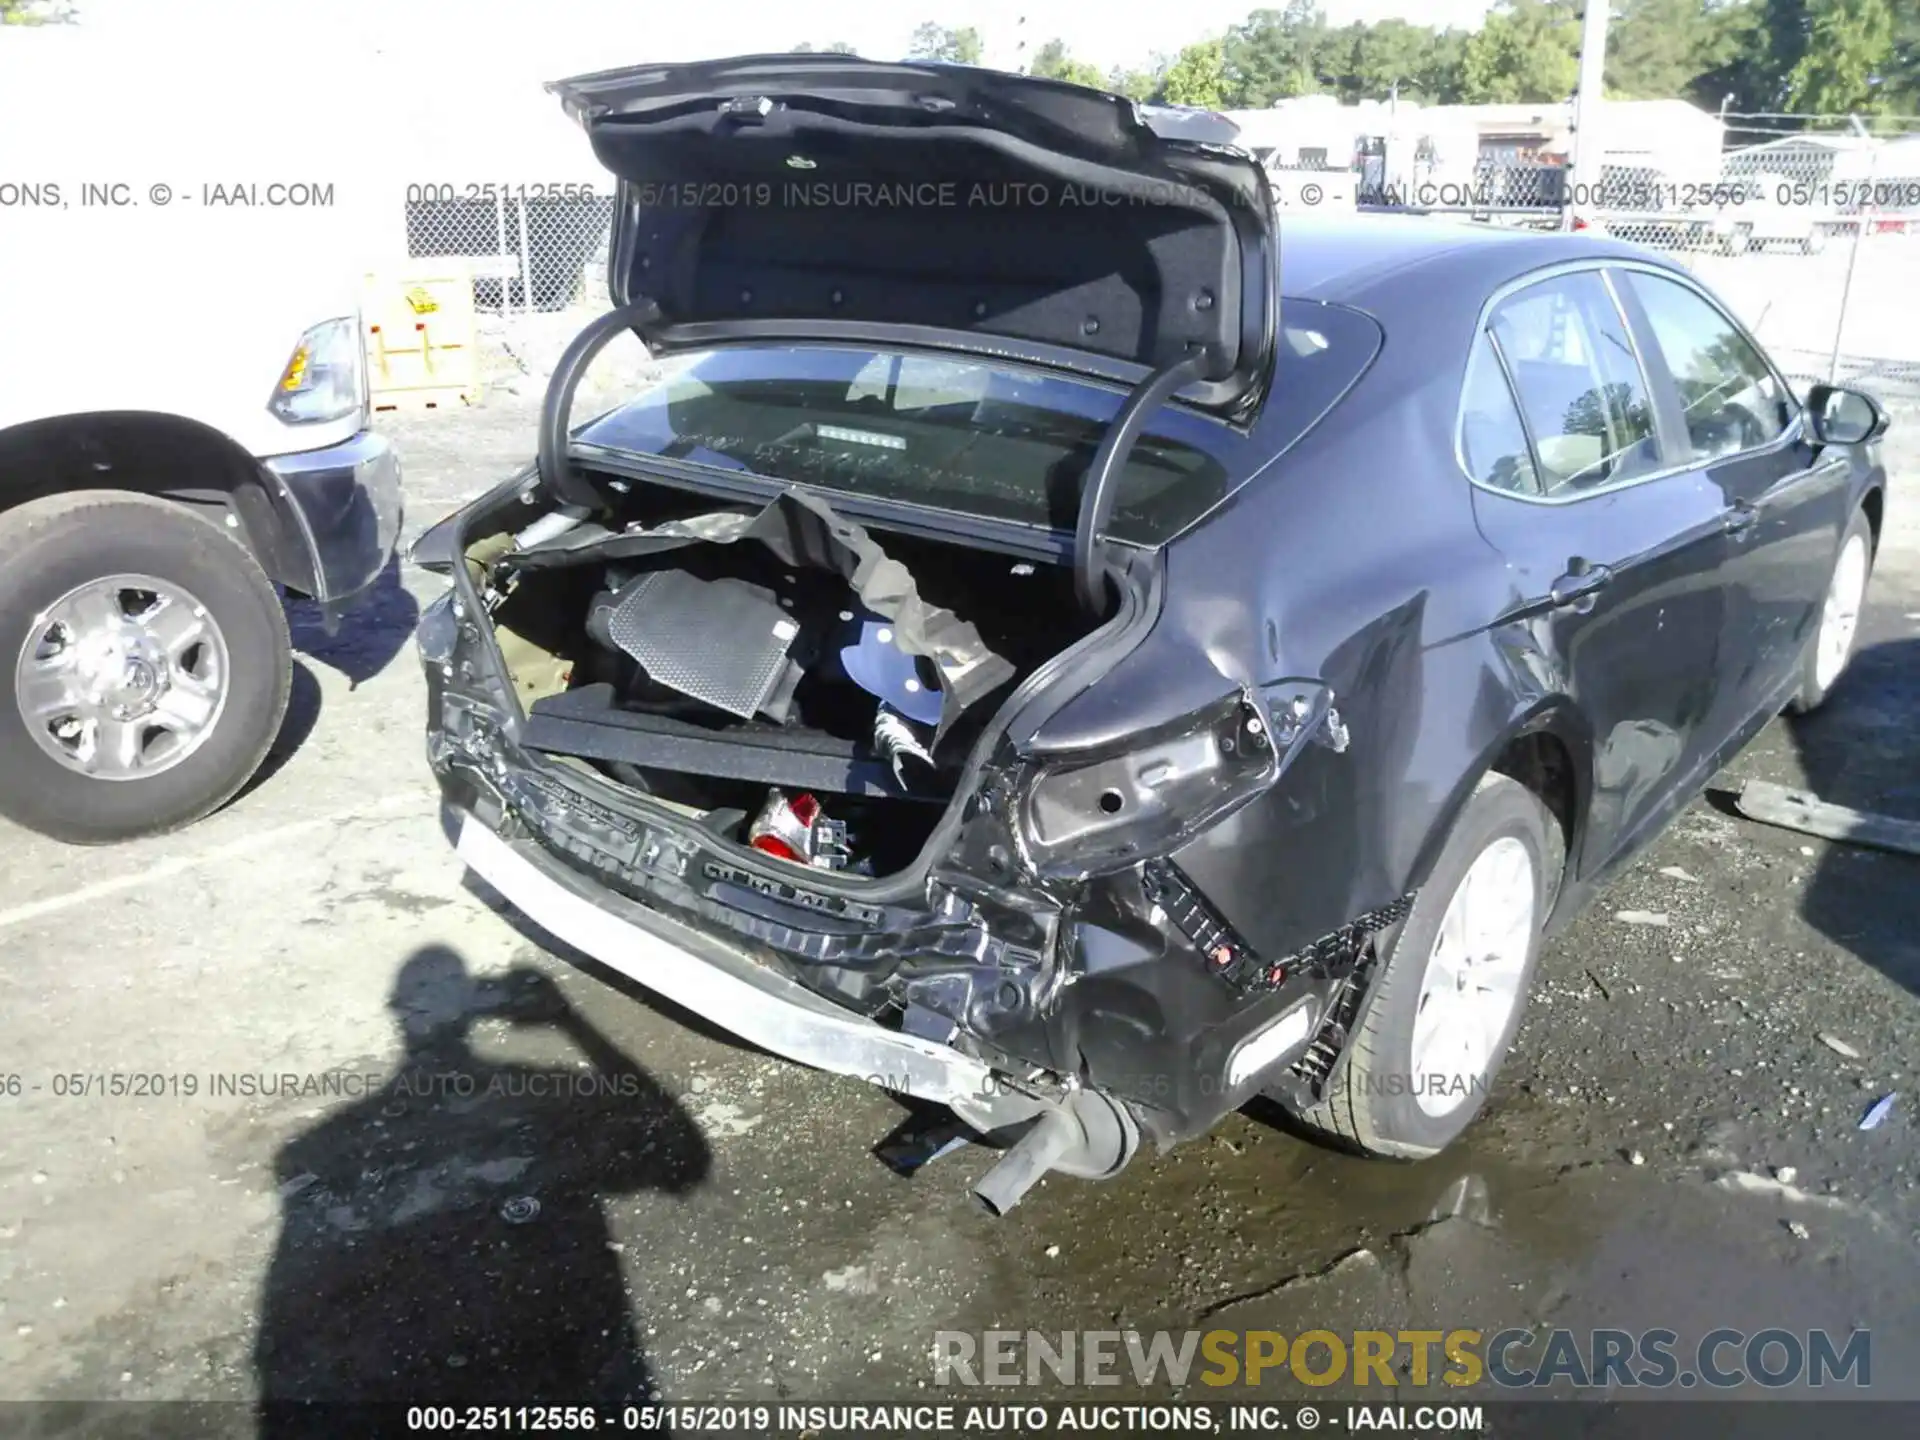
(809, 194)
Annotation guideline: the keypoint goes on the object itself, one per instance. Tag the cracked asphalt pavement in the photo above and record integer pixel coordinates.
(527, 1177)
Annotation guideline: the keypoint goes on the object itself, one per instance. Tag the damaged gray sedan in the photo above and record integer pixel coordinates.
(1015, 656)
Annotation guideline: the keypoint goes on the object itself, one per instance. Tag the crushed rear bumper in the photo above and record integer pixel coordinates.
(716, 981)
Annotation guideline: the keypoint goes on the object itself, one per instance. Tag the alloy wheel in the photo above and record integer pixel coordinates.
(1840, 617)
(122, 678)
(1472, 980)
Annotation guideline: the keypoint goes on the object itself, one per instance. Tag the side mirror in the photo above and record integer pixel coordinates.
(1838, 416)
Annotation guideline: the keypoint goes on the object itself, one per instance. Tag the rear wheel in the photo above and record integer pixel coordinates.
(1452, 984)
(1831, 648)
(149, 665)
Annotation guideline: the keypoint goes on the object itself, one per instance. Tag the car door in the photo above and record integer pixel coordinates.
(1786, 503)
(1615, 555)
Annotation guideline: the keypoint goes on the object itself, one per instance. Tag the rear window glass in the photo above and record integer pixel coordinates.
(958, 434)
(1493, 441)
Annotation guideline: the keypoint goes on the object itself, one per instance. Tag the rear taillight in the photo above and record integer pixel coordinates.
(1099, 815)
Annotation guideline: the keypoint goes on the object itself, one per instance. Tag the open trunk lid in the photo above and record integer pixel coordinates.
(825, 197)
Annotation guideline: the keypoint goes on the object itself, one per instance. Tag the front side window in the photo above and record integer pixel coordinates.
(1579, 384)
(1732, 399)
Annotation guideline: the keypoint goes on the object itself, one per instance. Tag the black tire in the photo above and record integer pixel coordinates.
(1812, 694)
(1370, 1103)
(47, 549)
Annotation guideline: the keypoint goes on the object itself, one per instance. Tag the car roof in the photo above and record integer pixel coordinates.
(1356, 259)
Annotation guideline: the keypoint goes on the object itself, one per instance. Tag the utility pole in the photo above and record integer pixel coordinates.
(1860, 223)
(1586, 109)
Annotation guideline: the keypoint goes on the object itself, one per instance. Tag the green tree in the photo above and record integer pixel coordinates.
(1392, 57)
(1197, 77)
(1528, 50)
(1440, 80)
(838, 47)
(1052, 61)
(1849, 47)
(1903, 69)
(1142, 83)
(1662, 48)
(1274, 54)
(35, 12)
(1760, 41)
(955, 45)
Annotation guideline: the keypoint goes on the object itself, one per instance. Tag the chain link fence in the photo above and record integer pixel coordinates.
(1813, 234)
(1809, 227)
(538, 257)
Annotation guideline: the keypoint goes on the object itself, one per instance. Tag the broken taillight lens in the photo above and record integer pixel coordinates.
(1093, 817)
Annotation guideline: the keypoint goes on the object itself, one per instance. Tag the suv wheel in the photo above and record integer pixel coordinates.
(148, 662)
(1452, 983)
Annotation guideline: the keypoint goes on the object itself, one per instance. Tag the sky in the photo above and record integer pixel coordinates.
(565, 36)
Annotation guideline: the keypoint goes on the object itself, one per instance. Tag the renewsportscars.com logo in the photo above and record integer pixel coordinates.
(1512, 1359)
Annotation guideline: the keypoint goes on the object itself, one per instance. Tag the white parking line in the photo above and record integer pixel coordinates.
(248, 846)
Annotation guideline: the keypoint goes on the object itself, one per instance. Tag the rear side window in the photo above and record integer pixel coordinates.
(1579, 384)
(1732, 399)
(1493, 442)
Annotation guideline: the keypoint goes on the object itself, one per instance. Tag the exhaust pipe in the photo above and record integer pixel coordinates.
(1086, 1135)
(1020, 1169)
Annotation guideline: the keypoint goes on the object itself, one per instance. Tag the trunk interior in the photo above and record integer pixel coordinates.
(759, 694)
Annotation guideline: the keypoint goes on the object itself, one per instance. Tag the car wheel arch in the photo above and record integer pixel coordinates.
(169, 457)
(1874, 504)
(1548, 750)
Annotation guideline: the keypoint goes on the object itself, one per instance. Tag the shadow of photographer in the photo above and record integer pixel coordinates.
(443, 1239)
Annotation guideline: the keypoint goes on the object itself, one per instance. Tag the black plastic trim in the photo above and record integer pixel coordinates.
(1090, 567)
(585, 722)
(575, 493)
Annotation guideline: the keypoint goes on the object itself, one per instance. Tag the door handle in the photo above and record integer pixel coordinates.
(1577, 589)
(1739, 518)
